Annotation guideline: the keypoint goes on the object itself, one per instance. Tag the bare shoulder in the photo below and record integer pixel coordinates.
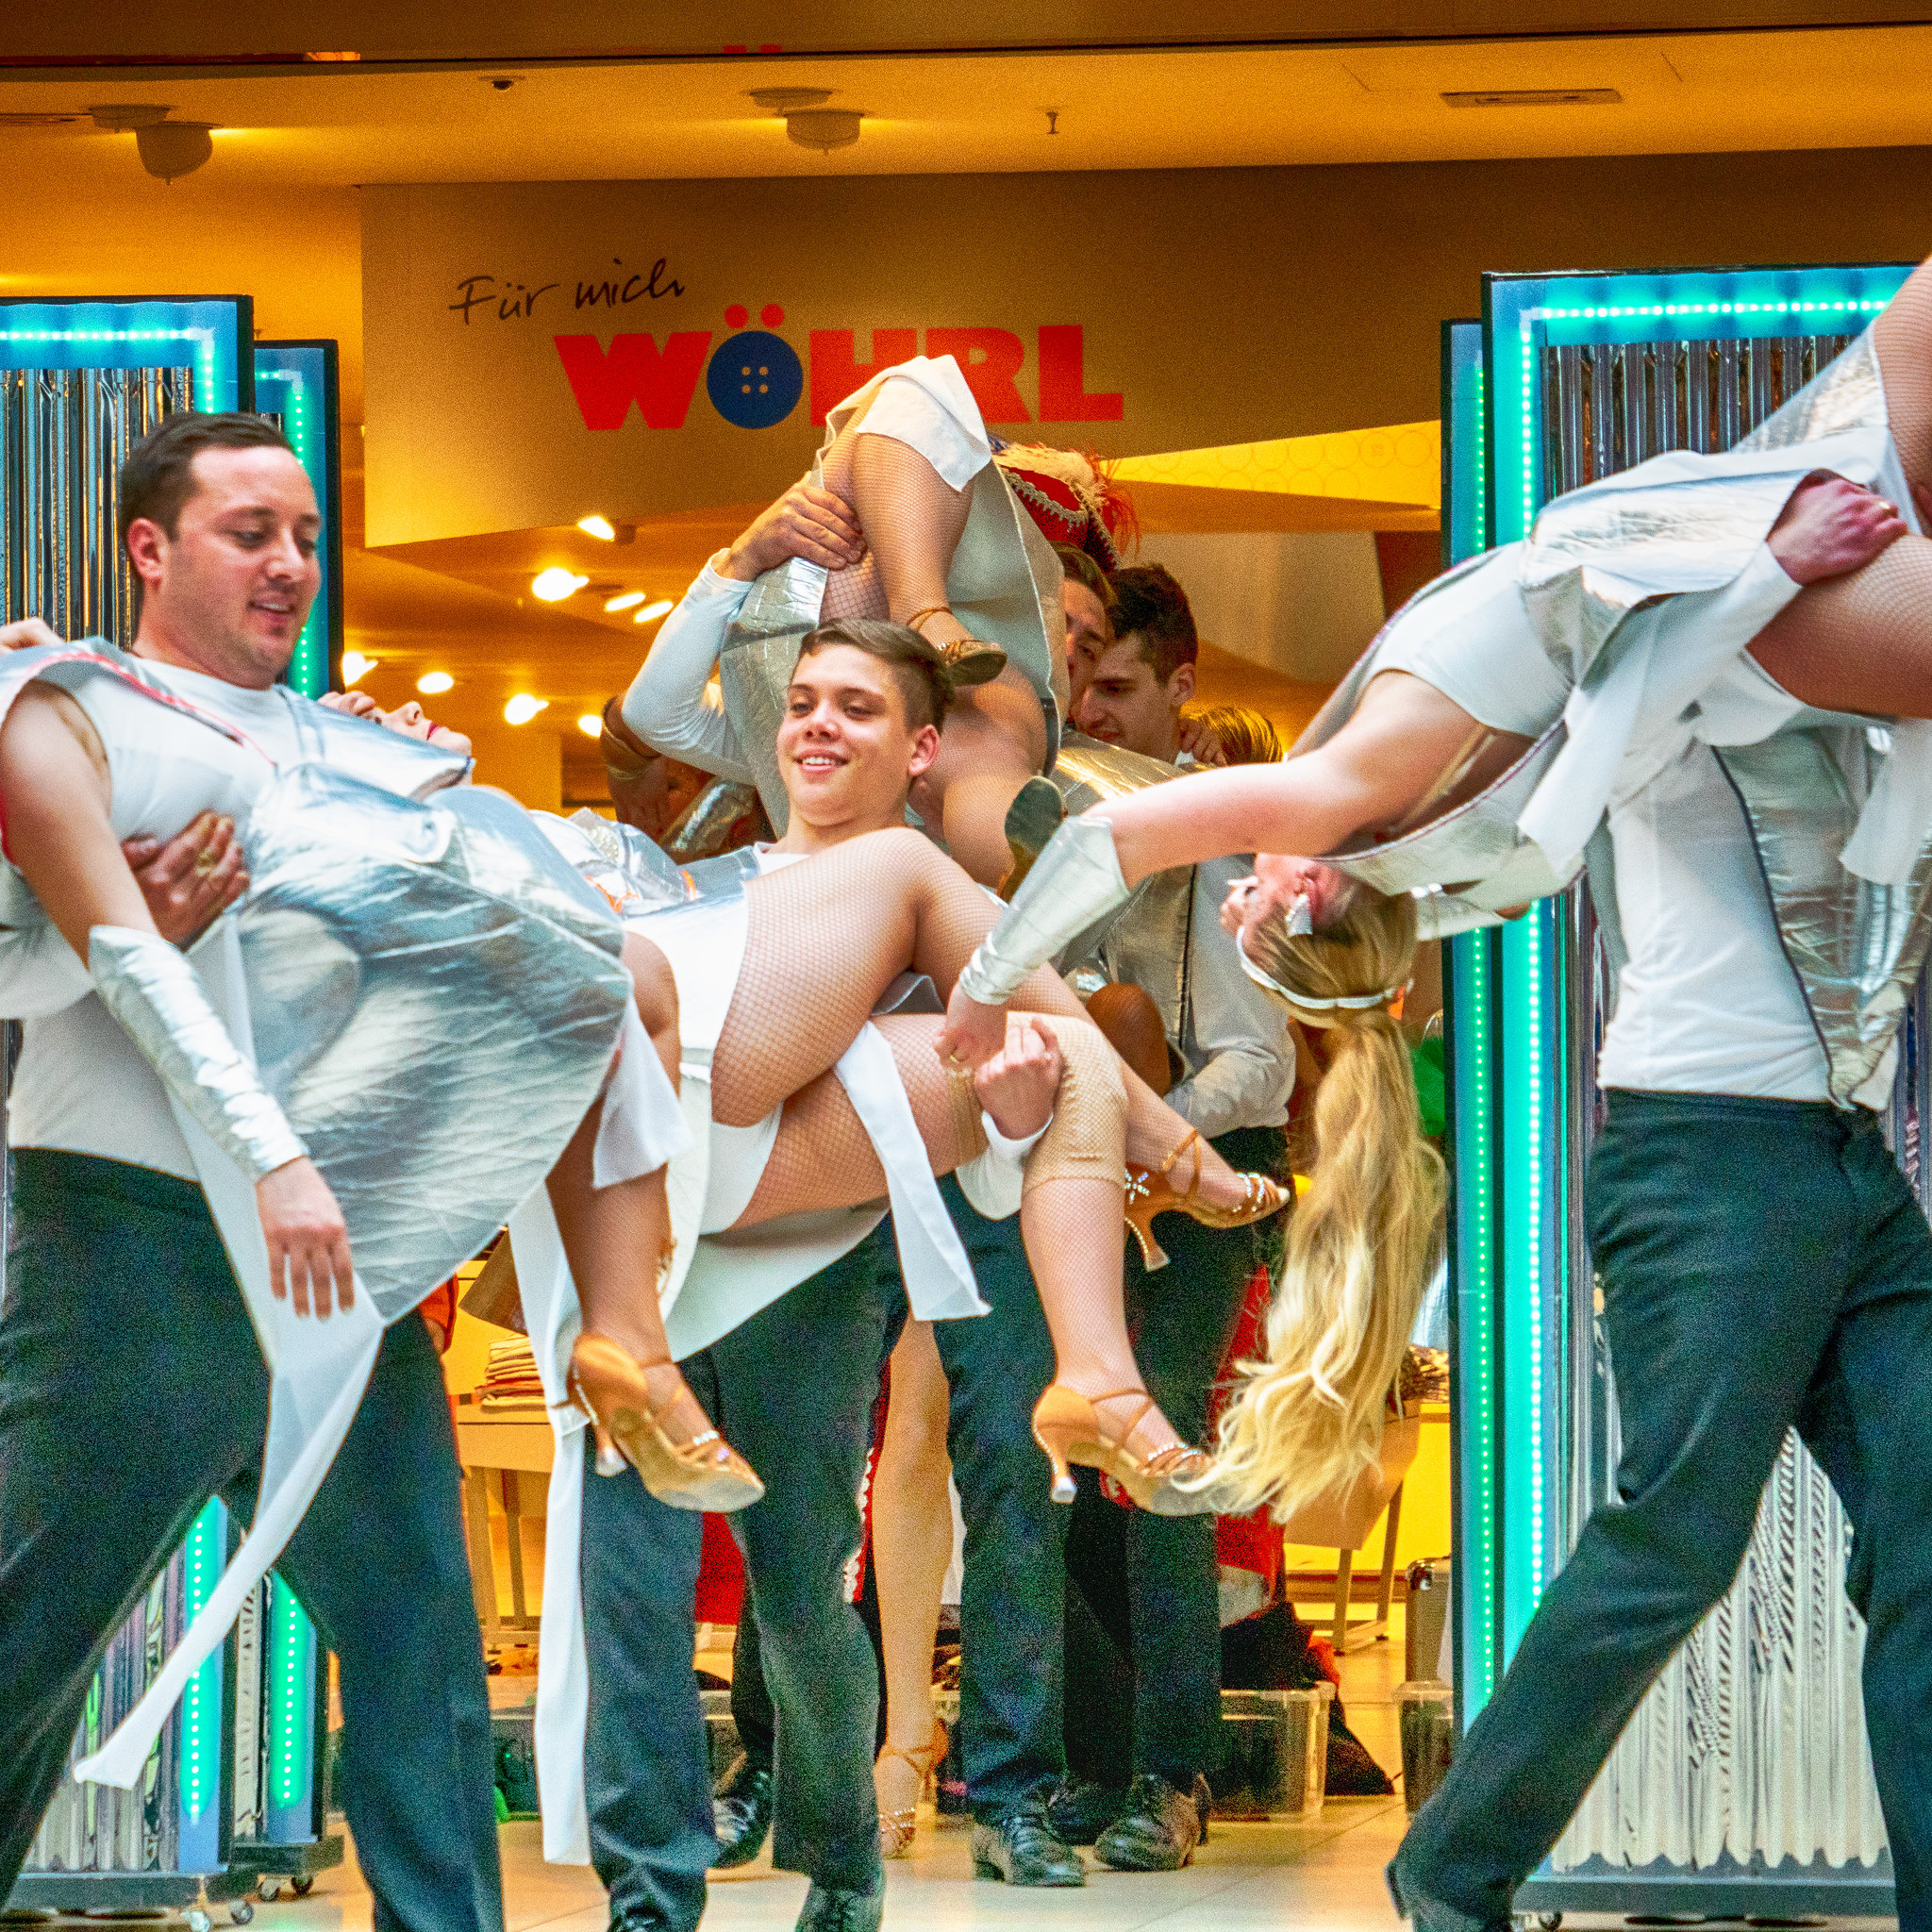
(44, 720)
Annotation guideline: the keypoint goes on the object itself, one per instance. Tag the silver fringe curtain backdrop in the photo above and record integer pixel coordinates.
(64, 436)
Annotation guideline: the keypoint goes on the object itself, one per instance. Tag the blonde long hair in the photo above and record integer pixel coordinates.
(1361, 1240)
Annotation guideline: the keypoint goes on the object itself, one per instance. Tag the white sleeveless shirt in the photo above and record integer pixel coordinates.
(81, 1085)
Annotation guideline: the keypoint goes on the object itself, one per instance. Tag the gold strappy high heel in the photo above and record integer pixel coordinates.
(896, 1827)
(1149, 1192)
(968, 659)
(608, 1383)
(1068, 1427)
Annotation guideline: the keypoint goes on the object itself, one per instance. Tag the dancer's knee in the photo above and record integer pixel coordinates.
(1087, 1138)
(653, 984)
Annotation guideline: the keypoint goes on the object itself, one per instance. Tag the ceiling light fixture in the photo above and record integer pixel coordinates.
(591, 723)
(433, 681)
(600, 527)
(167, 148)
(522, 708)
(625, 601)
(557, 583)
(355, 666)
(651, 612)
(1537, 97)
(807, 121)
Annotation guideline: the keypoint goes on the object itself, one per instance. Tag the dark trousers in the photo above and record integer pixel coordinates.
(794, 1391)
(1149, 1583)
(1010, 1595)
(646, 1768)
(1764, 1266)
(131, 1391)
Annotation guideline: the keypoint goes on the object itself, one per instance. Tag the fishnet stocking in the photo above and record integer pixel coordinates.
(912, 520)
(1903, 337)
(825, 938)
(1070, 1219)
(1861, 642)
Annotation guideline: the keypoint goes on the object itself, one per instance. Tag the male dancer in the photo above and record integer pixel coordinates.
(123, 1409)
(1152, 1585)
(865, 749)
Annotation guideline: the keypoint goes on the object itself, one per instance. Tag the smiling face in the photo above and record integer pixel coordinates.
(228, 593)
(846, 750)
(1273, 887)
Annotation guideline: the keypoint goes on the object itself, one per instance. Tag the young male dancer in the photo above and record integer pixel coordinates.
(866, 741)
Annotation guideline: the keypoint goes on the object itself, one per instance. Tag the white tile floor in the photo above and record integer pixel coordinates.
(1324, 1876)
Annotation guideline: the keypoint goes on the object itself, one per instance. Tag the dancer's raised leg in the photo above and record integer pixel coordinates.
(827, 938)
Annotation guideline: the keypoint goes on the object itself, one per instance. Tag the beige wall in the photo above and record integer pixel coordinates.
(1219, 306)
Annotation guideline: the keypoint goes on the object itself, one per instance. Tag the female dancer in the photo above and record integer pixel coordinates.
(1434, 725)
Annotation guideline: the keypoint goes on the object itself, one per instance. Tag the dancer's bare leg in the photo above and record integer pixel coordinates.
(912, 1546)
(827, 938)
(618, 1238)
(1070, 1217)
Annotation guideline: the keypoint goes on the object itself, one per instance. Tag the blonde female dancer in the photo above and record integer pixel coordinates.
(1451, 724)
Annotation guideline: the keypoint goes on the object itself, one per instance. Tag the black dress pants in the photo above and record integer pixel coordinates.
(1764, 1266)
(646, 1769)
(131, 1391)
(1151, 1584)
(997, 1367)
(794, 1391)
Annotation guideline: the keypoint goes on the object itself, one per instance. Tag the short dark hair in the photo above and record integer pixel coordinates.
(1076, 565)
(925, 682)
(158, 478)
(1153, 610)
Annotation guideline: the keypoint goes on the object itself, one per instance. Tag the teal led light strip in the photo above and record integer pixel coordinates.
(200, 1707)
(288, 395)
(291, 1698)
(134, 334)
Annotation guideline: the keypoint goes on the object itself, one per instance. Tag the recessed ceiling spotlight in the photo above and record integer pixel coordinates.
(433, 681)
(600, 527)
(501, 82)
(522, 708)
(355, 666)
(625, 601)
(591, 723)
(651, 612)
(1537, 97)
(554, 583)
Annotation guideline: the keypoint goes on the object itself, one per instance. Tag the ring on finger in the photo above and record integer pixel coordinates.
(204, 862)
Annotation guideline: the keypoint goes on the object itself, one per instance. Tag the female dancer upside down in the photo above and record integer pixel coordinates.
(1442, 715)
(824, 939)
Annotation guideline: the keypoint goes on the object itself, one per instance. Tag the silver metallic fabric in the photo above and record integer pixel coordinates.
(436, 998)
(1857, 946)
(152, 991)
(1003, 585)
(1075, 883)
(705, 827)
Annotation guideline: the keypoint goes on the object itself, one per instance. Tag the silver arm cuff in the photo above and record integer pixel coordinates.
(1074, 883)
(153, 991)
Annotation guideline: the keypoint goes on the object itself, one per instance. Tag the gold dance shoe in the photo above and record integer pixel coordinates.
(1151, 1191)
(1068, 1427)
(609, 1384)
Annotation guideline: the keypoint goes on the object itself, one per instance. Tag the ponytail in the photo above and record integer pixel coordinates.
(1309, 1418)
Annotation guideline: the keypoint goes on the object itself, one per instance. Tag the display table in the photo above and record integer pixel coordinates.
(508, 1456)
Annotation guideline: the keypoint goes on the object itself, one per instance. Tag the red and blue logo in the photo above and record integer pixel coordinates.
(755, 378)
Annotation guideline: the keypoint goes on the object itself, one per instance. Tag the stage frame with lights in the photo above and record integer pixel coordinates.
(1743, 1781)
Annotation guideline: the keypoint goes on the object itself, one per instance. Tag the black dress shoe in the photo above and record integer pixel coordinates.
(1021, 1848)
(741, 1814)
(1080, 1808)
(1431, 1914)
(836, 1908)
(1158, 1829)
